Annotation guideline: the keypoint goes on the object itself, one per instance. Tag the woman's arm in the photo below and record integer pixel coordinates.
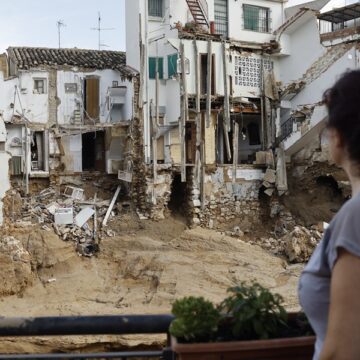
(342, 340)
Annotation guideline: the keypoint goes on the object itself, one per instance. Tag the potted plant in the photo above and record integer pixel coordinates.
(250, 323)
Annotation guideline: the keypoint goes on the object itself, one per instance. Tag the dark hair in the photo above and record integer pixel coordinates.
(343, 103)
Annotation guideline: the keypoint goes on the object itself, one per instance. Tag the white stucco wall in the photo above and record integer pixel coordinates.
(4, 180)
(303, 47)
(35, 105)
(68, 101)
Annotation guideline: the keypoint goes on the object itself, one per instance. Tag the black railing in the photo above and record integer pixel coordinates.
(287, 128)
(88, 325)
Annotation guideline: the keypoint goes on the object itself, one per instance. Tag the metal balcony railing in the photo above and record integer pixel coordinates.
(88, 325)
(287, 128)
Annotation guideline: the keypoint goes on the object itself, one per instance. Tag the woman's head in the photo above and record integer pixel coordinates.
(343, 103)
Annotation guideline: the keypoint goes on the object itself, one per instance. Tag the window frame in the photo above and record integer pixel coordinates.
(156, 17)
(36, 89)
(267, 29)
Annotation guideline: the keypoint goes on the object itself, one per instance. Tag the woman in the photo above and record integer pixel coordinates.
(329, 287)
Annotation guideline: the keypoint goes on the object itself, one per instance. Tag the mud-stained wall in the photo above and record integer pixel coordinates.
(226, 200)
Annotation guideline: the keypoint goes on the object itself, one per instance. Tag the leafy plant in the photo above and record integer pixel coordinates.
(253, 312)
(196, 319)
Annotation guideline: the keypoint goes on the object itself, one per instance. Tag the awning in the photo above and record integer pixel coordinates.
(341, 15)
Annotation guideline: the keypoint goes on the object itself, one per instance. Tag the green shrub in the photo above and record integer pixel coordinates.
(196, 319)
(254, 312)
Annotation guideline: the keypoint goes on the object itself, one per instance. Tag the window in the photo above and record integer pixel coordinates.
(70, 87)
(39, 86)
(221, 17)
(172, 65)
(152, 67)
(156, 8)
(256, 18)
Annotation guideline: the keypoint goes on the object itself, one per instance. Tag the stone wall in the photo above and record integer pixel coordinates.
(225, 201)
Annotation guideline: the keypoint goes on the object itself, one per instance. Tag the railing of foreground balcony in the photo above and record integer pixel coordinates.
(88, 325)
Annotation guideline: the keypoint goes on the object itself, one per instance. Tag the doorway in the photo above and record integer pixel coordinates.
(178, 197)
(93, 151)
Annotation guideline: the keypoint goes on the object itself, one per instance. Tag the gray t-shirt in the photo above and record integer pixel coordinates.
(314, 285)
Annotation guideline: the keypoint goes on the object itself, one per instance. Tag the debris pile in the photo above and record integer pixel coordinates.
(69, 214)
(15, 261)
(300, 244)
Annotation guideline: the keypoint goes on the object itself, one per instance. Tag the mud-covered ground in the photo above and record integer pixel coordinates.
(141, 270)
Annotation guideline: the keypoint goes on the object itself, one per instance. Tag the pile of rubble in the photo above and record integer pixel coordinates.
(69, 215)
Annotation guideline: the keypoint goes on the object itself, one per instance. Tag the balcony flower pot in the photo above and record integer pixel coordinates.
(295, 348)
(249, 324)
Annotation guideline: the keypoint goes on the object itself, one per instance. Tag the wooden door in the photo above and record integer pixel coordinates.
(92, 98)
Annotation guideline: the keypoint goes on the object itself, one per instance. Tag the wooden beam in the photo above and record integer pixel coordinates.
(226, 88)
(198, 115)
(227, 140)
(236, 150)
(209, 83)
(106, 218)
(185, 112)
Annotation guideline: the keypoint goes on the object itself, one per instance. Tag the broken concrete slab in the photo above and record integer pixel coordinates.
(83, 216)
(270, 176)
(269, 192)
(51, 208)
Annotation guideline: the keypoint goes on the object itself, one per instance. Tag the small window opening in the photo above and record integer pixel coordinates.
(37, 148)
(39, 86)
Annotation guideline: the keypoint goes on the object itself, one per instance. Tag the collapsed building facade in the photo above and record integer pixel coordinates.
(65, 114)
(213, 85)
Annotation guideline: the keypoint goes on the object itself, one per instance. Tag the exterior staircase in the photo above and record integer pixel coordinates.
(199, 11)
(296, 135)
(331, 55)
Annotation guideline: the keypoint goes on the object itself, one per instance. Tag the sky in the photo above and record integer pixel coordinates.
(33, 23)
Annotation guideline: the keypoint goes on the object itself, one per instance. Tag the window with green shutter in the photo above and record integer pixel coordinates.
(172, 65)
(152, 67)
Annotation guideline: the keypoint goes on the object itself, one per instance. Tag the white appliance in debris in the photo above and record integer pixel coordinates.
(64, 216)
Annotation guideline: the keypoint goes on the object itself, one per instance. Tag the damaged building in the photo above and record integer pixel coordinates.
(211, 105)
(65, 113)
(230, 93)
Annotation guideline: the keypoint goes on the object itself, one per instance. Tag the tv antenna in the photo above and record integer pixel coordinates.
(99, 29)
(60, 24)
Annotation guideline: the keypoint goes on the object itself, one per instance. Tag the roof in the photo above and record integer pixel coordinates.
(342, 14)
(32, 57)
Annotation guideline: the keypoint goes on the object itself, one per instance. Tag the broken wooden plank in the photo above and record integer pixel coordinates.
(185, 113)
(236, 152)
(106, 218)
(209, 84)
(227, 141)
